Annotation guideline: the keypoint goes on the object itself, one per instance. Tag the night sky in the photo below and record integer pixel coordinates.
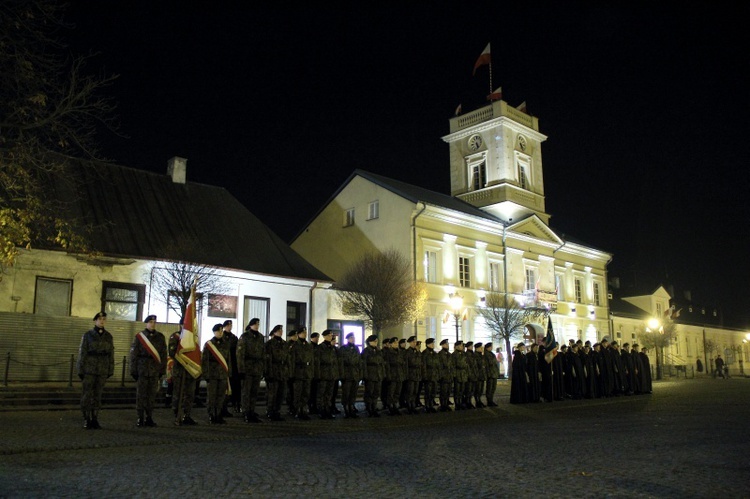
(644, 106)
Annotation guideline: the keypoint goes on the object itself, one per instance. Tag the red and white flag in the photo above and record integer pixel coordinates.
(483, 60)
(188, 353)
(497, 94)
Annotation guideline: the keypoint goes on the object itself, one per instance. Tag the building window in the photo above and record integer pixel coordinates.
(522, 179)
(478, 175)
(530, 279)
(495, 276)
(123, 301)
(658, 311)
(579, 298)
(559, 287)
(464, 271)
(597, 299)
(296, 315)
(349, 217)
(257, 307)
(52, 297)
(430, 266)
(373, 210)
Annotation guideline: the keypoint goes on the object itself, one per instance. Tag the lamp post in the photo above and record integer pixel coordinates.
(457, 302)
(655, 325)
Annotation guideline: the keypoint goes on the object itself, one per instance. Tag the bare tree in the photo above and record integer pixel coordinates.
(379, 289)
(170, 282)
(50, 113)
(659, 338)
(505, 317)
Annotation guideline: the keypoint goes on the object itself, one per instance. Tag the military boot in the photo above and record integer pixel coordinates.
(87, 421)
(140, 423)
(150, 421)
(95, 421)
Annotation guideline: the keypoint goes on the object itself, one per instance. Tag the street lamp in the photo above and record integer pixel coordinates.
(457, 302)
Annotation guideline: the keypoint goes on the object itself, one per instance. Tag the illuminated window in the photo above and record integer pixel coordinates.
(430, 266)
(578, 291)
(522, 179)
(530, 279)
(123, 301)
(524, 170)
(559, 287)
(52, 296)
(658, 310)
(373, 210)
(478, 175)
(495, 276)
(349, 217)
(464, 271)
(597, 299)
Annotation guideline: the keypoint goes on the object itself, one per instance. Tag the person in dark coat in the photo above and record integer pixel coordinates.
(629, 367)
(635, 354)
(575, 372)
(148, 363)
(277, 372)
(302, 357)
(607, 371)
(413, 374)
(460, 374)
(251, 360)
(373, 372)
(590, 369)
(183, 383)
(430, 373)
(446, 376)
(326, 372)
(350, 370)
(558, 376)
(519, 377)
(216, 364)
(545, 370)
(395, 372)
(620, 379)
(235, 397)
(532, 369)
(493, 373)
(95, 364)
(646, 379)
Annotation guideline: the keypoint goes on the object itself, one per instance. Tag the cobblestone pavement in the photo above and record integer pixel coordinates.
(688, 439)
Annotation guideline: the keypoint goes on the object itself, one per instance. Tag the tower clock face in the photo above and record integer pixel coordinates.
(522, 142)
(475, 142)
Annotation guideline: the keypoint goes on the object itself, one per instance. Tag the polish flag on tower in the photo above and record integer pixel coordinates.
(483, 60)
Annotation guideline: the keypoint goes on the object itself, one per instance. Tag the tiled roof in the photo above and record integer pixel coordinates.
(139, 214)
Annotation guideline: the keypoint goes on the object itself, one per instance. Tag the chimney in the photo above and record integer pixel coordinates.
(177, 169)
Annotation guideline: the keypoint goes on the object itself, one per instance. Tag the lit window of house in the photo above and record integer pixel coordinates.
(373, 210)
(349, 217)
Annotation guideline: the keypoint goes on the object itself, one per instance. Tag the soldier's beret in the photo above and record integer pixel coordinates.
(149, 318)
(291, 332)
(605, 340)
(217, 327)
(429, 341)
(100, 314)
(226, 323)
(488, 345)
(459, 342)
(350, 335)
(253, 321)
(614, 343)
(372, 337)
(402, 341)
(411, 338)
(444, 342)
(469, 344)
(327, 332)
(314, 335)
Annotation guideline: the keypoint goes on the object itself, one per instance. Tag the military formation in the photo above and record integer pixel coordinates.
(309, 375)
(578, 370)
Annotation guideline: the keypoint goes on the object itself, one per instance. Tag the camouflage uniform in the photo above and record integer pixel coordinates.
(350, 370)
(216, 377)
(277, 374)
(471, 372)
(326, 371)
(147, 371)
(493, 373)
(460, 375)
(446, 378)
(413, 376)
(396, 370)
(430, 375)
(251, 361)
(183, 385)
(373, 372)
(480, 368)
(302, 366)
(96, 363)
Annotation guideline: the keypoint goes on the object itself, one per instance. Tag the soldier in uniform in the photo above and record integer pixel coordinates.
(493, 373)
(250, 365)
(302, 363)
(402, 346)
(277, 372)
(183, 384)
(350, 370)
(446, 376)
(312, 402)
(373, 372)
(481, 373)
(460, 374)
(326, 372)
(291, 339)
(148, 363)
(96, 363)
(413, 374)
(235, 391)
(430, 374)
(336, 383)
(471, 371)
(216, 362)
(395, 371)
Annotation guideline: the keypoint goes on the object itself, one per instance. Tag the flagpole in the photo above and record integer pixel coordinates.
(490, 74)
